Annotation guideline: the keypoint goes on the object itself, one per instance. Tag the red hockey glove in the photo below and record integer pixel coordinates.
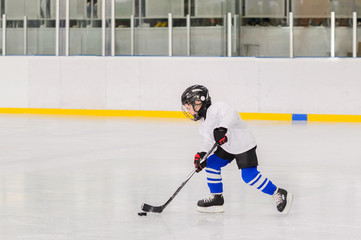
(220, 135)
(197, 161)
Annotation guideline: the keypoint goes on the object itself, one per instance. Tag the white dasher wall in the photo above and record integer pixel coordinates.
(266, 85)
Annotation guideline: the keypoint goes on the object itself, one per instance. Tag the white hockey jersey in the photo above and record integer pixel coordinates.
(219, 114)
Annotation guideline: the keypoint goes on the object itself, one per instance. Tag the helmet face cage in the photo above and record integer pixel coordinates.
(188, 115)
(190, 96)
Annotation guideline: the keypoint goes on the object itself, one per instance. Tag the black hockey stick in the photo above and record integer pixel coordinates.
(159, 209)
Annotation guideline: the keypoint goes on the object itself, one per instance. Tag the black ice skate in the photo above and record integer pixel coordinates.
(212, 204)
(283, 200)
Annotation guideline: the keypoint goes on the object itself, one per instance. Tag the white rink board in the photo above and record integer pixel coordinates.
(260, 85)
(14, 82)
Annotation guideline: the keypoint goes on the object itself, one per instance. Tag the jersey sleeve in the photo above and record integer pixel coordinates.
(208, 140)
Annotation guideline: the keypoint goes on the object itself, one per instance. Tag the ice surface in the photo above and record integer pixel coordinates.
(86, 178)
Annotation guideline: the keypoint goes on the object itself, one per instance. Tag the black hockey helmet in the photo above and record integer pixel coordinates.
(191, 95)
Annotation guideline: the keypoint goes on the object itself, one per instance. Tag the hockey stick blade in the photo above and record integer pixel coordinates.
(149, 208)
(159, 209)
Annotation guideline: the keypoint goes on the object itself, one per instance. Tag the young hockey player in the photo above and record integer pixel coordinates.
(221, 124)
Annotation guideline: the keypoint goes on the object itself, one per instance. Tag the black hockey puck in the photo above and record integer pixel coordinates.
(142, 214)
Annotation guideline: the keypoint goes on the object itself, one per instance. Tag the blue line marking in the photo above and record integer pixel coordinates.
(299, 117)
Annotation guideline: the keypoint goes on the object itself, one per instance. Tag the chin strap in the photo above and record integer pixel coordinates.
(202, 113)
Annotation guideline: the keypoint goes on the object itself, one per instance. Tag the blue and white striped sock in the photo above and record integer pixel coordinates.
(213, 172)
(214, 180)
(257, 180)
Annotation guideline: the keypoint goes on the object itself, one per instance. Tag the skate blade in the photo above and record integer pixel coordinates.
(213, 209)
(289, 203)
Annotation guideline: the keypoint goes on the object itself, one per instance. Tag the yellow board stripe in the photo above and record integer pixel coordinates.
(267, 116)
(176, 114)
(92, 112)
(333, 118)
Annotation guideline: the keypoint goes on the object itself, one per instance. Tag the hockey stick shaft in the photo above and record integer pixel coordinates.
(159, 209)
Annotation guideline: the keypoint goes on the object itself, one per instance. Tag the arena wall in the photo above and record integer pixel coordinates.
(328, 86)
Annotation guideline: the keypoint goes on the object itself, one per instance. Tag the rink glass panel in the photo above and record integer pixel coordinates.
(343, 32)
(265, 8)
(207, 41)
(161, 8)
(343, 37)
(85, 33)
(15, 41)
(264, 41)
(259, 27)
